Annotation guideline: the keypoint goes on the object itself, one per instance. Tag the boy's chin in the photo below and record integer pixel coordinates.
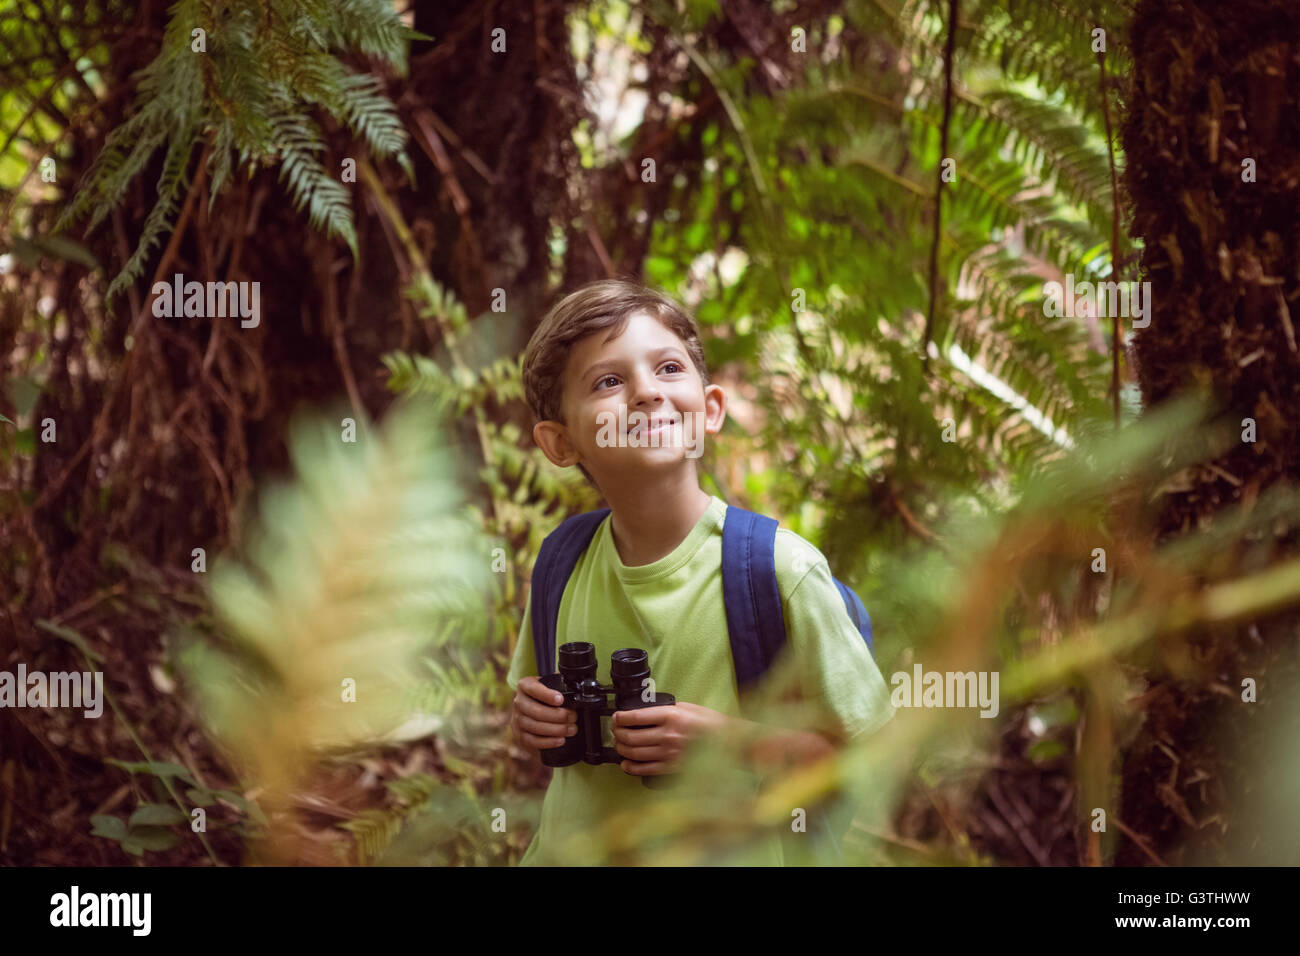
(639, 459)
(663, 452)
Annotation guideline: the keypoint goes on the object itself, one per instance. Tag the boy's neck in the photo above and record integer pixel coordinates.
(649, 525)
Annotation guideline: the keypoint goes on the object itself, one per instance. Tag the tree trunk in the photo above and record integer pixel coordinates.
(1213, 153)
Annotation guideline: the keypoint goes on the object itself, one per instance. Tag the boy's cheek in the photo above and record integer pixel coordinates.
(693, 434)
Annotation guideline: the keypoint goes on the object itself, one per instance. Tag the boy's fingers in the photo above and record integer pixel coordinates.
(540, 711)
(645, 769)
(637, 738)
(544, 728)
(542, 743)
(643, 753)
(535, 689)
(646, 715)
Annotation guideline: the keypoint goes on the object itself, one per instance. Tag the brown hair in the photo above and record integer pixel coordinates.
(599, 305)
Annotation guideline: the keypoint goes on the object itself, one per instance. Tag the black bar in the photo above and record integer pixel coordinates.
(331, 906)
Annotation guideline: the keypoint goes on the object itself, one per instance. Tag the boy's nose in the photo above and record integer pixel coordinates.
(647, 390)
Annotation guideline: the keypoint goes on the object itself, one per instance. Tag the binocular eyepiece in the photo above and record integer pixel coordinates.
(629, 671)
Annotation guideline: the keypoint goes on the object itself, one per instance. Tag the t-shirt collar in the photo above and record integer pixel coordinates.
(709, 523)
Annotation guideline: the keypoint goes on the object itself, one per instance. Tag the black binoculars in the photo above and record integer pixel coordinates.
(589, 698)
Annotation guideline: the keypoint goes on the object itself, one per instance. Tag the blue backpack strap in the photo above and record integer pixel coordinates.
(556, 559)
(756, 627)
(857, 613)
(755, 623)
(751, 595)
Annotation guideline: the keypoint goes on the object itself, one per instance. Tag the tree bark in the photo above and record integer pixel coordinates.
(1213, 170)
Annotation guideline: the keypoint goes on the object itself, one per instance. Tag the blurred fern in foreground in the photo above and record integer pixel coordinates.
(353, 571)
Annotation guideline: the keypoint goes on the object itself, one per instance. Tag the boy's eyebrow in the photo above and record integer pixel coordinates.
(615, 363)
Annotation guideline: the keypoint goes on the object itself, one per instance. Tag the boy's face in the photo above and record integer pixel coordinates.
(615, 395)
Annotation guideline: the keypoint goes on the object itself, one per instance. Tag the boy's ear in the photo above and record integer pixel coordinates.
(715, 409)
(553, 439)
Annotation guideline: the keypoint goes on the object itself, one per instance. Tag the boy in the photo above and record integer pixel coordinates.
(616, 377)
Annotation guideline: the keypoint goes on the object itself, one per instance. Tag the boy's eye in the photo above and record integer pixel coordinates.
(670, 367)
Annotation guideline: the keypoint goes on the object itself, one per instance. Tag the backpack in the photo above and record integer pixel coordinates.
(755, 622)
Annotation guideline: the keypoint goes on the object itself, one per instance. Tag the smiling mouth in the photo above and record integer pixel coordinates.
(652, 427)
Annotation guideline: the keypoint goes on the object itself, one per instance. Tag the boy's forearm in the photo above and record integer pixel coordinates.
(768, 748)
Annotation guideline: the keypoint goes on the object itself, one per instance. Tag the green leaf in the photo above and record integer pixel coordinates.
(156, 767)
(156, 814)
(151, 838)
(231, 797)
(201, 797)
(25, 391)
(253, 811)
(1046, 750)
(30, 250)
(107, 825)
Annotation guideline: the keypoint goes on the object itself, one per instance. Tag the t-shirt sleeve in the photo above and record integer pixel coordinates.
(524, 662)
(838, 679)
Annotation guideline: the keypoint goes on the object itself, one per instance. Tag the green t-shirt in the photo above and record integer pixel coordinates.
(673, 609)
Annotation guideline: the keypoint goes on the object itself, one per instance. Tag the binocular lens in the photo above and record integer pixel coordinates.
(629, 662)
(629, 670)
(578, 660)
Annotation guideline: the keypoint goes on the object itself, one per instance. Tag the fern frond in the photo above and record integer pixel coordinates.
(374, 830)
(370, 115)
(386, 559)
(104, 184)
(1064, 153)
(220, 161)
(328, 203)
(420, 375)
(266, 60)
(171, 183)
(372, 26)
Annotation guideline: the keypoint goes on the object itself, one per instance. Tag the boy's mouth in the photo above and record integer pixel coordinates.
(654, 425)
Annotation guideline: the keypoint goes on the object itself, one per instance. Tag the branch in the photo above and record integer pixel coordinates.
(1114, 235)
(949, 45)
(418, 275)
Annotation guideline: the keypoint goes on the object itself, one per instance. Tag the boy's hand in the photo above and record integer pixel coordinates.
(658, 747)
(536, 720)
